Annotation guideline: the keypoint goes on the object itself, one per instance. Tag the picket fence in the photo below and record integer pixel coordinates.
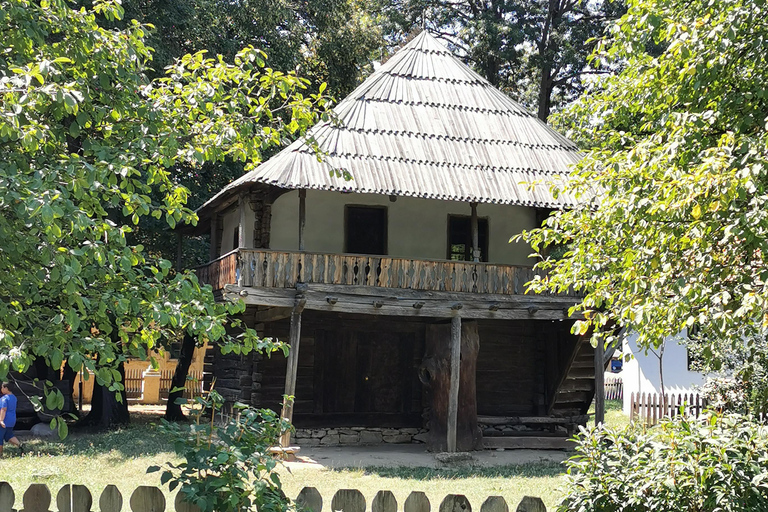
(77, 498)
(650, 408)
(614, 389)
(134, 379)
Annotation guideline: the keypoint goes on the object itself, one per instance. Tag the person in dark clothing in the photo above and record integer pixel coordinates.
(7, 417)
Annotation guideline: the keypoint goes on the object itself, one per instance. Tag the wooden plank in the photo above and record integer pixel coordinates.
(528, 443)
(212, 250)
(7, 497)
(182, 505)
(272, 314)
(241, 200)
(348, 500)
(455, 503)
(530, 420)
(37, 498)
(74, 498)
(384, 501)
(494, 504)
(147, 499)
(453, 393)
(111, 500)
(310, 500)
(531, 504)
(417, 501)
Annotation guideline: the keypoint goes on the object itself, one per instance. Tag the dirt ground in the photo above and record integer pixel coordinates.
(410, 455)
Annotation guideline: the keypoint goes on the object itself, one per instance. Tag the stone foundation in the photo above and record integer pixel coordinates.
(360, 436)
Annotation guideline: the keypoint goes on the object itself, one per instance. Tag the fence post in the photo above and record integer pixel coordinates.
(417, 501)
(150, 386)
(384, 501)
(37, 498)
(147, 499)
(348, 500)
(111, 500)
(74, 498)
(7, 497)
(455, 503)
(494, 504)
(309, 499)
(531, 504)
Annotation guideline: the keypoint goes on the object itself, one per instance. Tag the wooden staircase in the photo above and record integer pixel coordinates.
(575, 394)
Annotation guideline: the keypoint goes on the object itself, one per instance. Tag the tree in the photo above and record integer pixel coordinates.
(672, 228)
(86, 144)
(536, 51)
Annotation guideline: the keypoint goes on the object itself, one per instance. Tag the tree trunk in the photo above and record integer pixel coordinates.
(435, 373)
(173, 410)
(106, 411)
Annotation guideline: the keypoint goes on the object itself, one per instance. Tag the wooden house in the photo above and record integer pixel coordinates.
(398, 289)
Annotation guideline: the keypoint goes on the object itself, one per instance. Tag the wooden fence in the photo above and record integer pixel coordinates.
(134, 380)
(614, 389)
(649, 408)
(77, 498)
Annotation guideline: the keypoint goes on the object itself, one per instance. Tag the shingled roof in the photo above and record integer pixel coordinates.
(425, 125)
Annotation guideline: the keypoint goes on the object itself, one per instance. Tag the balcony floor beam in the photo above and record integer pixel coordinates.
(391, 302)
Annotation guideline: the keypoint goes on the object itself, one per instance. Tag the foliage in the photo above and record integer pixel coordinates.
(226, 467)
(725, 394)
(717, 464)
(330, 41)
(86, 144)
(535, 50)
(672, 229)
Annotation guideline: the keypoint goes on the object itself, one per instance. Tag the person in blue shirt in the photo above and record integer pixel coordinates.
(7, 417)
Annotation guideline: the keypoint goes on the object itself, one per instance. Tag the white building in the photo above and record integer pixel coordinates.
(641, 372)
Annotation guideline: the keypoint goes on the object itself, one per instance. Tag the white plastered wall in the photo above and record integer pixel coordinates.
(417, 228)
(640, 373)
(231, 221)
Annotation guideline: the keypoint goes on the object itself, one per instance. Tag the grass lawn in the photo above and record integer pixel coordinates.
(121, 457)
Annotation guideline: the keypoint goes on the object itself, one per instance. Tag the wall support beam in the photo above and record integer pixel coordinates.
(453, 393)
(475, 234)
(302, 216)
(599, 383)
(294, 338)
(213, 252)
(241, 226)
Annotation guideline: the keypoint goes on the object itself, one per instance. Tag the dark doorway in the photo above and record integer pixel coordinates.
(365, 230)
(460, 238)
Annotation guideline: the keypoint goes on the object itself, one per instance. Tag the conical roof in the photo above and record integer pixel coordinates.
(425, 125)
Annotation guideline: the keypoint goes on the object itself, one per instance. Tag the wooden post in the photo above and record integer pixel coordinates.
(294, 337)
(179, 250)
(302, 216)
(213, 253)
(599, 383)
(453, 394)
(241, 226)
(475, 234)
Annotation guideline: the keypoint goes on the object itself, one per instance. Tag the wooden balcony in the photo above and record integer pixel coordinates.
(264, 268)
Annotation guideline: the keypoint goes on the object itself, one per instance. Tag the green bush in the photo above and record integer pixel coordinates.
(227, 466)
(717, 463)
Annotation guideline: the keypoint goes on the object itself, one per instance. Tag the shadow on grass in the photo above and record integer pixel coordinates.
(139, 438)
(529, 470)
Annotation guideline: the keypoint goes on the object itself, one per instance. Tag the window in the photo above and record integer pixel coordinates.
(460, 238)
(365, 230)
(236, 238)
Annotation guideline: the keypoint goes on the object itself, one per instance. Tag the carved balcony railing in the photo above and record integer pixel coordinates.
(285, 269)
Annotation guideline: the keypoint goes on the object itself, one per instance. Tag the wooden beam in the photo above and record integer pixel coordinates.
(241, 227)
(529, 443)
(294, 338)
(302, 216)
(272, 314)
(432, 304)
(453, 393)
(213, 252)
(475, 234)
(531, 420)
(599, 384)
